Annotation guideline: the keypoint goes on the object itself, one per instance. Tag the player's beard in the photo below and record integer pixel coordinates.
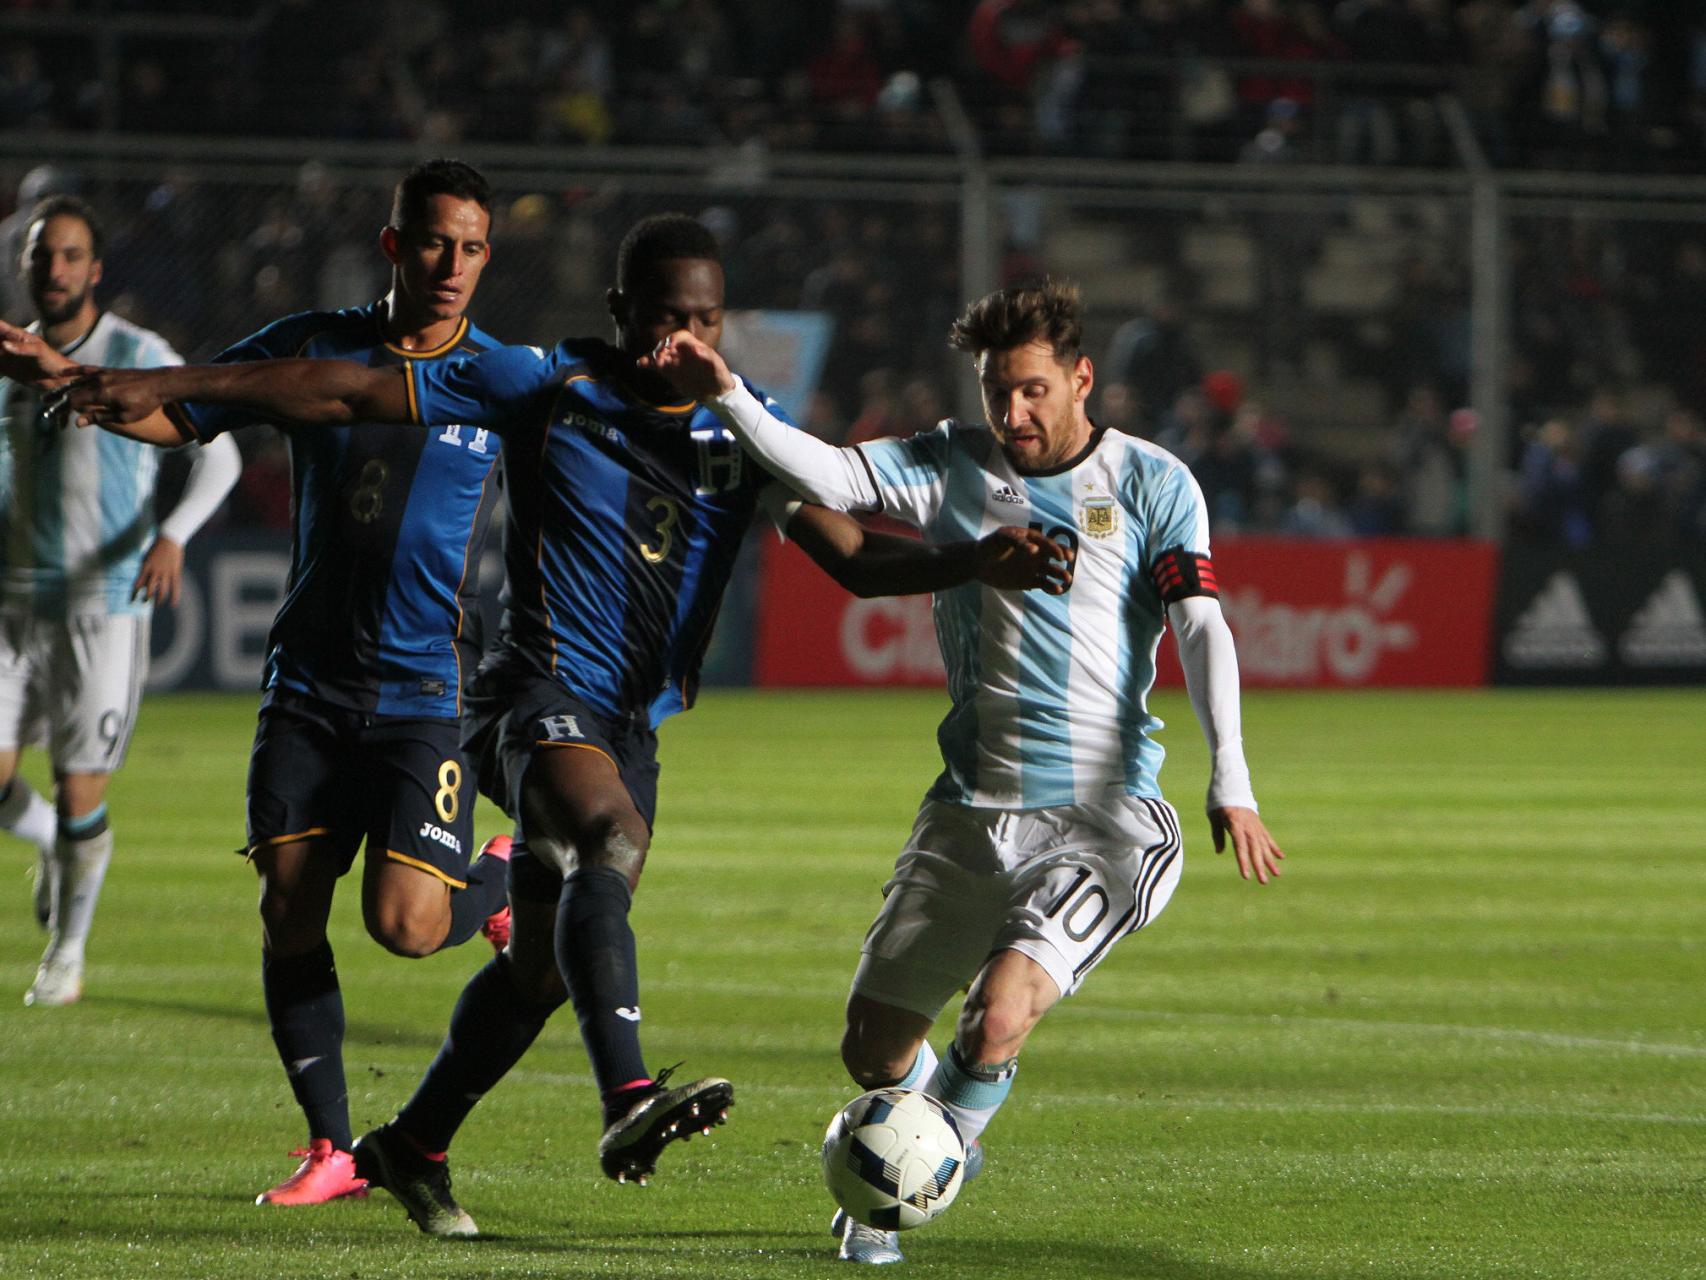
(64, 311)
(1058, 441)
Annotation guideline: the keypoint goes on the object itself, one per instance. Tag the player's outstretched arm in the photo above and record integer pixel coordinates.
(329, 392)
(868, 563)
(833, 477)
(1210, 660)
(26, 356)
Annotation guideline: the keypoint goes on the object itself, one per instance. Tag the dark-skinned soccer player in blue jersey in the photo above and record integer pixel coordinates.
(359, 730)
(627, 507)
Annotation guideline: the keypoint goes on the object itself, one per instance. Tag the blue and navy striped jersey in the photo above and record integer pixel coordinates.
(625, 518)
(387, 525)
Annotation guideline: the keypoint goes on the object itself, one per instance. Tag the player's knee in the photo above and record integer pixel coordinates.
(869, 1063)
(605, 840)
(406, 932)
(622, 851)
(286, 927)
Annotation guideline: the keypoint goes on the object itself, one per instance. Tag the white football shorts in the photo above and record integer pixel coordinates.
(72, 684)
(1060, 885)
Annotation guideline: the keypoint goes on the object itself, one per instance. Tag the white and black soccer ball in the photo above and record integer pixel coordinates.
(893, 1158)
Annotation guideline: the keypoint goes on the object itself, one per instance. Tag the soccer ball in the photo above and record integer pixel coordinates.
(893, 1158)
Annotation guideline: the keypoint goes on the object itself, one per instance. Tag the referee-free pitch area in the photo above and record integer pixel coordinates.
(1463, 1036)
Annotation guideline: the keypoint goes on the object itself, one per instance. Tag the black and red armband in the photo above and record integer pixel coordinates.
(1179, 574)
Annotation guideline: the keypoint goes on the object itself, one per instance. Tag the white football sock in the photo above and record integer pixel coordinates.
(25, 814)
(923, 1067)
(82, 868)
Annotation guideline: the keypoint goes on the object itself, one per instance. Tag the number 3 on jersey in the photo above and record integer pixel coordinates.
(665, 513)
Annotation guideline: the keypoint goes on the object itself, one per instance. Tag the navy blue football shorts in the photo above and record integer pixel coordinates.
(342, 777)
(512, 714)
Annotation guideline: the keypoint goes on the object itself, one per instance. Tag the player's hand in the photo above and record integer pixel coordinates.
(98, 397)
(1015, 559)
(162, 574)
(689, 366)
(26, 356)
(1254, 848)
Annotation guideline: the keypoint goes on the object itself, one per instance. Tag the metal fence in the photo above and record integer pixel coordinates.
(1324, 344)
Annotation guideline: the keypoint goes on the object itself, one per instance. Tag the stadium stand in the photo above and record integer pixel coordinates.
(1341, 311)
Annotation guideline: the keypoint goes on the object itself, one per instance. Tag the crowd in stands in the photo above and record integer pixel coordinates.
(1605, 474)
(1608, 326)
(1608, 321)
(1573, 83)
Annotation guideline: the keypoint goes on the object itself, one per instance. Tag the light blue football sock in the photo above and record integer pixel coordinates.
(974, 1093)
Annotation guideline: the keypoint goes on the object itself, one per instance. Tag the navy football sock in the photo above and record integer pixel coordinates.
(492, 1027)
(595, 950)
(306, 1010)
(487, 891)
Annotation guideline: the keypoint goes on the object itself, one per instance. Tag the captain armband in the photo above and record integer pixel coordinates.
(1179, 574)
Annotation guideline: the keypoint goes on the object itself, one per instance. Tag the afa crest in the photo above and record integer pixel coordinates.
(1099, 517)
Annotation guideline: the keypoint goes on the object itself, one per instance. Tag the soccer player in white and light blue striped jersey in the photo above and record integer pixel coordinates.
(1045, 839)
(81, 564)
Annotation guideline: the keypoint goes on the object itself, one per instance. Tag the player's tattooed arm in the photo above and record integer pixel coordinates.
(326, 392)
(869, 563)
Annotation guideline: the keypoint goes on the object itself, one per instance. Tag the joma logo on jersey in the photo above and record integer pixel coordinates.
(557, 728)
(1099, 517)
(593, 425)
(442, 836)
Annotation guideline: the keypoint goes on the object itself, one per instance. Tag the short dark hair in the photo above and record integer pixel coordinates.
(658, 239)
(1051, 312)
(437, 178)
(63, 206)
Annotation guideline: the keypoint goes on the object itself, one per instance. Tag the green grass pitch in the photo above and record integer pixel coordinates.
(1464, 1036)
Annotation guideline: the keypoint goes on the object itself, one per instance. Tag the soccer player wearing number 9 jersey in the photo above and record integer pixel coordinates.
(1045, 840)
(81, 566)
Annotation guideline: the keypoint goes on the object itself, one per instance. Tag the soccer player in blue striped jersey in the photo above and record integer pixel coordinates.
(359, 735)
(627, 507)
(1045, 839)
(81, 566)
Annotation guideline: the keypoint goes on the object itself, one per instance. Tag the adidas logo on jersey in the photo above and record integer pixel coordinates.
(1669, 630)
(1556, 629)
(1004, 493)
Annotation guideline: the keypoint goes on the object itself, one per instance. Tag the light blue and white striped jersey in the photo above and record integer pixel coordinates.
(1049, 692)
(78, 504)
